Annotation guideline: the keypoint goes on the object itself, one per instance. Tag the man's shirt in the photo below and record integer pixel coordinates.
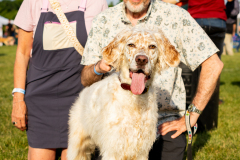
(179, 27)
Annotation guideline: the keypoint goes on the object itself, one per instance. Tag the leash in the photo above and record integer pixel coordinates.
(190, 134)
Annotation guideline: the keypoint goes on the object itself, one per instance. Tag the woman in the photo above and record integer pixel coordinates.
(48, 68)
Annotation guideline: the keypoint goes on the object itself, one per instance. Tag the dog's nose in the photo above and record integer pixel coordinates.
(141, 60)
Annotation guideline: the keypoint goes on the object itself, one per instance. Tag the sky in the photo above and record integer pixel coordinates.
(114, 1)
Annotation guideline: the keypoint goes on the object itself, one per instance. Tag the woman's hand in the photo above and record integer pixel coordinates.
(19, 111)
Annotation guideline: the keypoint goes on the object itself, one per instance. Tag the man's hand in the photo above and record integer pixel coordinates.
(88, 76)
(178, 125)
(102, 66)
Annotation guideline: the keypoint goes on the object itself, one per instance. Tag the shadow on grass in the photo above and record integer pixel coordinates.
(2, 54)
(236, 83)
(200, 139)
(222, 83)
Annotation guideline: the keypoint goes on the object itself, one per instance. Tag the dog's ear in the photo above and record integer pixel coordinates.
(111, 53)
(168, 55)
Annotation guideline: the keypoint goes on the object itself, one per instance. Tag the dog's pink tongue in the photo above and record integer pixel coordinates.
(137, 86)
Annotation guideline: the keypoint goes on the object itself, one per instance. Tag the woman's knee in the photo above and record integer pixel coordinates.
(41, 153)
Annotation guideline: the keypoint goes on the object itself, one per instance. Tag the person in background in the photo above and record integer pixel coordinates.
(47, 72)
(232, 10)
(10, 29)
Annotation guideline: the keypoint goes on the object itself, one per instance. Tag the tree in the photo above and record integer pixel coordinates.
(9, 8)
(111, 4)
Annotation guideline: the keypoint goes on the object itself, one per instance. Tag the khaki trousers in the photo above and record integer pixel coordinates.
(228, 48)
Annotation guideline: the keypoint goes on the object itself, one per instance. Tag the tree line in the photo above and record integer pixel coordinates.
(9, 8)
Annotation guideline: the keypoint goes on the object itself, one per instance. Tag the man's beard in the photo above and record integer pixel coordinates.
(136, 9)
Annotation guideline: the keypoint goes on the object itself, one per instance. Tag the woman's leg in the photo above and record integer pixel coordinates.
(64, 154)
(40, 154)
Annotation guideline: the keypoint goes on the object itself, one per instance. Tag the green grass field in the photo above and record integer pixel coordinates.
(221, 143)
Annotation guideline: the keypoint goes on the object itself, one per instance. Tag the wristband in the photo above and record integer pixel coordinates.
(97, 73)
(177, 1)
(18, 90)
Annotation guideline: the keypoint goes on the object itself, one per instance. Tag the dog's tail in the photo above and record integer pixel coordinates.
(80, 144)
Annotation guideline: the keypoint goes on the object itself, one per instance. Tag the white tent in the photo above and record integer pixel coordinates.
(4, 21)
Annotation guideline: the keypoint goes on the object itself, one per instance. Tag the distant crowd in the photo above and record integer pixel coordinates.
(10, 35)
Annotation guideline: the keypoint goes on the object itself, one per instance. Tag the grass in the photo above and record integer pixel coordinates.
(217, 144)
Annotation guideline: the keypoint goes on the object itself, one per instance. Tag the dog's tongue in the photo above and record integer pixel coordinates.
(137, 86)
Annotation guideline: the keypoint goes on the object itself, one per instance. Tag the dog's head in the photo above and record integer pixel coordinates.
(138, 53)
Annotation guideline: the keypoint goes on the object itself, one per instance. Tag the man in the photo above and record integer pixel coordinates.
(190, 41)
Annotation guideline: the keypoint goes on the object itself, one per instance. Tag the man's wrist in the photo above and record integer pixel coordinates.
(97, 69)
(193, 108)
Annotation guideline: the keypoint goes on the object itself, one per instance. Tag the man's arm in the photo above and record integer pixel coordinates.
(88, 77)
(174, 1)
(210, 72)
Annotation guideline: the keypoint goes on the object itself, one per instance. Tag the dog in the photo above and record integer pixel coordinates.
(119, 113)
(9, 41)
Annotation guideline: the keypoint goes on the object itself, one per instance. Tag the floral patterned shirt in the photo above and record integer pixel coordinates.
(179, 27)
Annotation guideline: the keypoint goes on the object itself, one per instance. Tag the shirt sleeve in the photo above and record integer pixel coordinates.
(194, 44)
(24, 19)
(93, 8)
(93, 47)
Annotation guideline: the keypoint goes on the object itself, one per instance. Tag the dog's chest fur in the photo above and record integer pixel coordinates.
(120, 117)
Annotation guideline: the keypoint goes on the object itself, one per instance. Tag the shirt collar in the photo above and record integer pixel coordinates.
(126, 20)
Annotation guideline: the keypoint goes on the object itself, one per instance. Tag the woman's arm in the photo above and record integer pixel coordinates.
(24, 48)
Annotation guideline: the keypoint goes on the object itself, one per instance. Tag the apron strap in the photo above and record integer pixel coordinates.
(65, 24)
(45, 5)
(82, 6)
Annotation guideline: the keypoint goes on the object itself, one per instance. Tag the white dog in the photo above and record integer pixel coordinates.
(119, 113)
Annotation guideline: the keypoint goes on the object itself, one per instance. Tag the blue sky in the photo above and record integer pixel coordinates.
(114, 1)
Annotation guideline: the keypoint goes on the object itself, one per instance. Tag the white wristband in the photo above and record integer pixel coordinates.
(177, 1)
(20, 90)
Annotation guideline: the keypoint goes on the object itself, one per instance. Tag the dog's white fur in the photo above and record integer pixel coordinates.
(121, 124)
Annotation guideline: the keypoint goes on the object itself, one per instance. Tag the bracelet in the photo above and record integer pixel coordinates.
(97, 73)
(18, 90)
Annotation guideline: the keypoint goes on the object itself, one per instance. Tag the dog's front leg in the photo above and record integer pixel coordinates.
(107, 156)
(142, 157)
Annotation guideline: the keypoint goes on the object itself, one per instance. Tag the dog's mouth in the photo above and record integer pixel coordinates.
(139, 79)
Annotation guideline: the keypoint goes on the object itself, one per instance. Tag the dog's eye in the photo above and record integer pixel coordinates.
(152, 47)
(131, 45)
